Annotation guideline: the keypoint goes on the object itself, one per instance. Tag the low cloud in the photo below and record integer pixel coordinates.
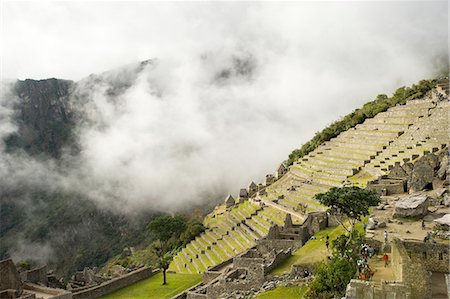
(228, 96)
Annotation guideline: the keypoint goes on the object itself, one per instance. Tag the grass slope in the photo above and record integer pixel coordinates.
(152, 287)
(282, 292)
(314, 250)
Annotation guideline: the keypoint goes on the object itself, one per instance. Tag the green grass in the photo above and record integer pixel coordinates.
(313, 251)
(284, 293)
(152, 287)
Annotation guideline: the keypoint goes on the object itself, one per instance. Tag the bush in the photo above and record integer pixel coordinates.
(332, 278)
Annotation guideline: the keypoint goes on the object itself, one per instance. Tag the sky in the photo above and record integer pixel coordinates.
(233, 89)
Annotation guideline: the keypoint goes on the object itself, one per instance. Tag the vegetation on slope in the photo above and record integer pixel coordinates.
(333, 275)
(369, 110)
(174, 231)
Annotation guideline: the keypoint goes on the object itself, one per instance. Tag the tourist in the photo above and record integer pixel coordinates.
(386, 259)
(327, 243)
(427, 237)
(423, 224)
(385, 236)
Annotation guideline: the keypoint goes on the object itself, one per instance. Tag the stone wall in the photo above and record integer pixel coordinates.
(55, 293)
(209, 276)
(115, 284)
(412, 274)
(9, 277)
(38, 275)
(266, 246)
(387, 186)
(279, 257)
(358, 289)
(221, 265)
(434, 257)
(411, 270)
(12, 294)
(192, 295)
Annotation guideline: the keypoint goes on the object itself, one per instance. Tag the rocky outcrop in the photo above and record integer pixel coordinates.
(423, 173)
(412, 206)
(443, 167)
(43, 116)
(444, 220)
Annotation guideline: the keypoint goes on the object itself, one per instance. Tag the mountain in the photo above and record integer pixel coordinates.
(48, 224)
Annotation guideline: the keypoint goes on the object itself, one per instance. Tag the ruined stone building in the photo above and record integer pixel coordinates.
(229, 201)
(32, 285)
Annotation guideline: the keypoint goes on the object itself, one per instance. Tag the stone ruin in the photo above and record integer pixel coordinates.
(270, 179)
(85, 278)
(30, 284)
(282, 170)
(247, 272)
(427, 173)
(229, 201)
(252, 189)
(243, 195)
(415, 265)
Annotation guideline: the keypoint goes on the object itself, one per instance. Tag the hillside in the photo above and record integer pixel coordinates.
(43, 219)
(401, 134)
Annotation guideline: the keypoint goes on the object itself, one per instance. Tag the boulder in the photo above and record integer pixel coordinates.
(372, 224)
(382, 224)
(421, 176)
(443, 168)
(428, 218)
(446, 199)
(433, 160)
(444, 220)
(408, 168)
(412, 206)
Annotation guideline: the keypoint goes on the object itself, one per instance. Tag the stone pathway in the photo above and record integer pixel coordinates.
(284, 209)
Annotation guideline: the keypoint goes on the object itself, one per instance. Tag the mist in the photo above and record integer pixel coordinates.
(230, 90)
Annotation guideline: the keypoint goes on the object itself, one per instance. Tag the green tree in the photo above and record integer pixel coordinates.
(167, 229)
(164, 256)
(194, 228)
(346, 247)
(353, 202)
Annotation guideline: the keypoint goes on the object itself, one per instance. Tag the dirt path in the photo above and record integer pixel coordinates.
(376, 263)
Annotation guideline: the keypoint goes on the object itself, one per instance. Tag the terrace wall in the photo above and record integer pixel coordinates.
(115, 284)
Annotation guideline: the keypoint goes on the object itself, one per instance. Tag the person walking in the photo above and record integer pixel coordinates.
(423, 224)
(386, 259)
(385, 236)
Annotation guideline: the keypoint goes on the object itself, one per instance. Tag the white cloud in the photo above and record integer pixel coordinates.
(235, 88)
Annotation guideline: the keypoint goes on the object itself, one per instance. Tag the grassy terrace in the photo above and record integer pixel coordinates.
(152, 287)
(313, 251)
(282, 292)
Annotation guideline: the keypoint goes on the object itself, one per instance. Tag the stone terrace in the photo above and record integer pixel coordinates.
(402, 132)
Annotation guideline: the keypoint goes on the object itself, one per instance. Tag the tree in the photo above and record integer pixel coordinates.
(353, 202)
(167, 229)
(164, 255)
